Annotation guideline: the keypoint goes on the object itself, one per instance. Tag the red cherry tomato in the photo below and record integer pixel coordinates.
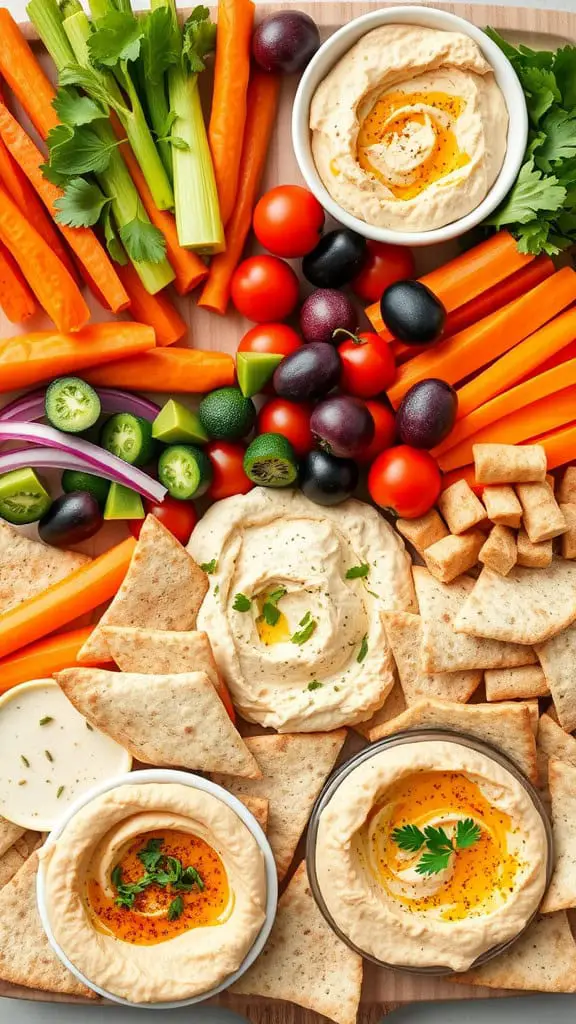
(264, 288)
(276, 338)
(384, 431)
(288, 221)
(229, 476)
(384, 264)
(368, 365)
(180, 517)
(279, 416)
(406, 480)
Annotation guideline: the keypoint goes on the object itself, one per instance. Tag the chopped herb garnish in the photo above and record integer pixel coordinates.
(314, 684)
(59, 792)
(22, 782)
(216, 590)
(270, 610)
(309, 625)
(48, 755)
(151, 854)
(373, 594)
(46, 720)
(160, 870)
(242, 603)
(363, 649)
(25, 761)
(209, 567)
(438, 845)
(176, 908)
(357, 572)
(89, 727)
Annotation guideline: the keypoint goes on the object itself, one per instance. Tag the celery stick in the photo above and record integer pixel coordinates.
(45, 15)
(158, 110)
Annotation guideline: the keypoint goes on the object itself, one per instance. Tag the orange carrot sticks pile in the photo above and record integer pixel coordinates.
(183, 370)
(22, 72)
(39, 660)
(155, 310)
(16, 299)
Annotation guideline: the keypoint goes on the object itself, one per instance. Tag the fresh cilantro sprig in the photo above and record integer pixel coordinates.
(270, 610)
(358, 572)
(160, 869)
(308, 625)
(242, 603)
(436, 843)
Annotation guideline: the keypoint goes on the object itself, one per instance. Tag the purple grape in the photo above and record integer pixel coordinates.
(285, 42)
(342, 425)
(325, 311)
(309, 373)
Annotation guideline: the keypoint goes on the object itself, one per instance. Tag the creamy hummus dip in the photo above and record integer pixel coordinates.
(486, 876)
(155, 892)
(409, 128)
(294, 606)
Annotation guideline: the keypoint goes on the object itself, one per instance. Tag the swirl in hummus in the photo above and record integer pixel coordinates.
(320, 658)
(155, 892)
(409, 129)
(477, 896)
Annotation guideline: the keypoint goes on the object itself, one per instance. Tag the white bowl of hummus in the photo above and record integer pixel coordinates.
(429, 852)
(409, 125)
(157, 889)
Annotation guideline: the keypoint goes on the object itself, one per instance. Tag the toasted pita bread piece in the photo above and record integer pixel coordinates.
(160, 651)
(173, 720)
(294, 769)
(554, 742)
(542, 960)
(506, 725)
(394, 705)
(404, 632)
(163, 589)
(526, 607)
(510, 683)
(26, 956)
(259, 807)
(561, 893)
(14, 858)
(444, 650)
(558, 659)
(9, 833)
(304, 962)
(27, 566)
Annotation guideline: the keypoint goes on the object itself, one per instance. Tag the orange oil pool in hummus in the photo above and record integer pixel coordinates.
(390, 122)
(147, 923)
(483, 875)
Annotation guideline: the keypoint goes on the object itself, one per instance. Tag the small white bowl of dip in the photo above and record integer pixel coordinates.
(336, 47)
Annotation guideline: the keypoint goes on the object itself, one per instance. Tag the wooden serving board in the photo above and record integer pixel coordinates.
(383, 990)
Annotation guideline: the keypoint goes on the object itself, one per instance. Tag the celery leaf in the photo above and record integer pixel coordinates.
(89, 80)
(198, 39)
(143, 242)
(81, 205)
(117, 38)
(113, 243)
(160, 44)
(82, 153)
(74, 109)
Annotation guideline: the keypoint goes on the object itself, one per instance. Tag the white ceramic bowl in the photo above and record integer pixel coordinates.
(197, 782)
(336, 46)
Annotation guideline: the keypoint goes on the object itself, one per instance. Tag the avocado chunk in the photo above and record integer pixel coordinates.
(123, 503)
(175, 424)
(254, 370)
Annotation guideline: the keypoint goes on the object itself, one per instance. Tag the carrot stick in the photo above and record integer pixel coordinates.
(155, 310)
(516, 399)
(55, 289)
(559, 445)
(466, 352)
(466, 473)
(32, 358)
(83, 590)
(228, 115)
(16, 299)
(184, 370)
(549, 412)
(521, 360)
(40, 659)
(27, 80)
(484, 304)
(188, 268)
(84, 244)
(262, 105)
(569, 352)
(467, 276)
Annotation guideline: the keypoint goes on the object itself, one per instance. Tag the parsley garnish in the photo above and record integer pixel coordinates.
(59, 792)
(309, 625)
(152, 854)
(357, 572)
(314, 684)
(175, 909)
(160, 870)
(363, 649)
(207, 567)
(46, 720)
(270, 610)
(25, 761)
(81, 205)
(242, 603)
(48, 755)
(438, 845)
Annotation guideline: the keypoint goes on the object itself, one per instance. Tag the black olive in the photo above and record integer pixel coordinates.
(412, 313)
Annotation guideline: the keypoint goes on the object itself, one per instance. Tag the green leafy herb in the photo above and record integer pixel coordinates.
(176, 908)
(409, 838)
(59, 792)
(198, 39)
(357, 572)
(160, 46)
(143, 242)
(160, 869)
(438, 845)
(270, 610)
(467, 833)
(117, 38)
(46, 720)
(209, 567)
(152, 854)
(81, 205)
(308, 627)
(25, 761)
(113, 243)
(314, 684)
(190, 877)
(74, 109)
(363, 649)
(242, 603)
(48, 755)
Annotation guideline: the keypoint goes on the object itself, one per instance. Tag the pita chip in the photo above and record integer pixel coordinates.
(394, 705)
(163, 589)
(528, 606)
(542, 960)
(9, 833)
(558, 659)
(404, 632)
(160, 651)
(14, 858)
(443, 649)
(258, 806)
(561, 893)
(28, 567)
(554, 742)
(304, 962)
(507, 726)
(294, 769)
(26, 956)
(171, 720)
(510, 683)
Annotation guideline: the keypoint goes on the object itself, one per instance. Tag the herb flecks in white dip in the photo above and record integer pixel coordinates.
(294, 607)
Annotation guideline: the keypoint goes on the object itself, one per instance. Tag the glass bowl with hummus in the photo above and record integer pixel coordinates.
(409, 125)
(157, 889)
(429, 852)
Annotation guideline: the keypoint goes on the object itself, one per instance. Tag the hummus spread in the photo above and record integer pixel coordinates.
(155, 892)
(294, 606)
(377, 886)
(409, 128)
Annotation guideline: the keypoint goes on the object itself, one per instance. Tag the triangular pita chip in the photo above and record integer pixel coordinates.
(27, 566)
(506, 725)
(14, 858)
(9, 833)
(163, 589)
(404, 632)
(394, 705)
(558, 659)
(542, 960)
(561, 893)
(26, 956)
(526, 607)
(295, 768)
(161, 651)
(304, 962)
(554, 742)
(172, 720)
(258, 806)
(444, 650)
